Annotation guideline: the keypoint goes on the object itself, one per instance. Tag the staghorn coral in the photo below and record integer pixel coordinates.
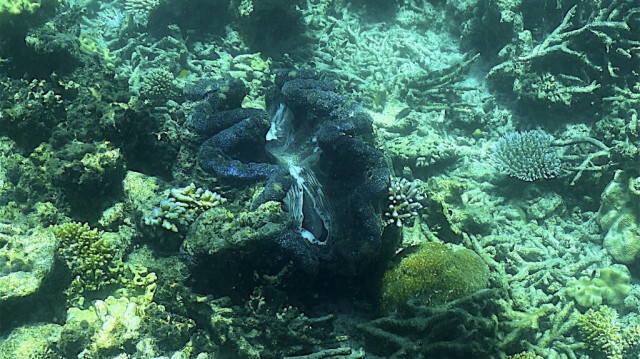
(140, 9)
(592, 50)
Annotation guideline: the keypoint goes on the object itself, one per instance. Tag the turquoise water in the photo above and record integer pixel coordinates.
(319, 179)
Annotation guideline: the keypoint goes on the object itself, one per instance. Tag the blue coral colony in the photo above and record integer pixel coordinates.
(311, 179)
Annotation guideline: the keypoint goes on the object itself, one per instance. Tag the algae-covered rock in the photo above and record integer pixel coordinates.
(29, 109)
(422, 152)
(139, 192)
(433, 275)
(459, 205)
(31, 342)
(111, 324)
(219, 231)
(123, 327)
(81, 175)
(232, 248)
(25, 261)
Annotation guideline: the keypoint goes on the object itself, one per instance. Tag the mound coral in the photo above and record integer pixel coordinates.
(433, 275)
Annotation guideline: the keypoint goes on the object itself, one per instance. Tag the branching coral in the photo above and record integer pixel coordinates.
(528, 155)
(404, 201)
(604, 333)
(16, 7)
(91, 259)
(591, 48)
(461, 328)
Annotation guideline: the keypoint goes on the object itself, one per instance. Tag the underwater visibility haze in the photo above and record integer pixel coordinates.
(317, 179)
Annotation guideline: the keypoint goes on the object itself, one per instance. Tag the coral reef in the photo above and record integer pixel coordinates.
(304, 117)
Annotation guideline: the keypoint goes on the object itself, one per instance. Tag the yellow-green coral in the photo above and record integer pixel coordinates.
(603, 332)
(91, 46)
(89, 256)
(139, 285)
(16, 7)
(433, 275)
(612, 285)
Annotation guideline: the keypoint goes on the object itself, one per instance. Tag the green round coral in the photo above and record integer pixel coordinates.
(433, 275)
